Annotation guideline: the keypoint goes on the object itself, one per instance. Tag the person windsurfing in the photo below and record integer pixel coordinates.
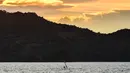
(65, 67)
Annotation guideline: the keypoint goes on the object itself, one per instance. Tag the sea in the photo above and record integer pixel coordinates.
(68, 67)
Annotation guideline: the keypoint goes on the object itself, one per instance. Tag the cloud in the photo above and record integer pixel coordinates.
(36, 4)
(65, 20)
(6, 2)
(78, 20)
(105, 23)
(1, 1)
(68, 20)
(44, 5)
(89, 15)
(59, 6)
(76, 1)
(109, 22)
(118, 16)
(23, 3)
(36, 7)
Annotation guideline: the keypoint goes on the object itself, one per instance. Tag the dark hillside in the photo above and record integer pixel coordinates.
(28, 37)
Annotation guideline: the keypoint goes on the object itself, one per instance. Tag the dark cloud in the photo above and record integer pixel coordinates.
(77, 1)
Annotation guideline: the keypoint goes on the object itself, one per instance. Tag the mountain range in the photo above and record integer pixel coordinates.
(27, 37)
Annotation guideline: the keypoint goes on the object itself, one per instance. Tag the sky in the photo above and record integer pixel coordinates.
(103, 16)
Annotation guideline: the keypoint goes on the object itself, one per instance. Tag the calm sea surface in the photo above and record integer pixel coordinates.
(79, 67)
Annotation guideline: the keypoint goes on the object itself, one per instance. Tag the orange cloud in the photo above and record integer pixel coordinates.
(77, 1)
(109, 22)
(65, 20)
(1, 1)
(25, 2)
(114, 1)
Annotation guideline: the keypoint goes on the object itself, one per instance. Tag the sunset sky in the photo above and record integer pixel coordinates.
(98, 15)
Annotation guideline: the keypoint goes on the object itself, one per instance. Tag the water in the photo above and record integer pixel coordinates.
(86, 67)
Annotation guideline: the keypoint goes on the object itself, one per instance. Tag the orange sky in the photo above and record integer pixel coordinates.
(97, 14)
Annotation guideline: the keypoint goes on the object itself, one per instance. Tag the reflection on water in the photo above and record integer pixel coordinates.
(86, 67)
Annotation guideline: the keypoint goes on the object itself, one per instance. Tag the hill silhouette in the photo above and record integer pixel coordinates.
(27, 37)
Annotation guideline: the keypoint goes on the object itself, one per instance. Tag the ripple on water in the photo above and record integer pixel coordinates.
(88, 67)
